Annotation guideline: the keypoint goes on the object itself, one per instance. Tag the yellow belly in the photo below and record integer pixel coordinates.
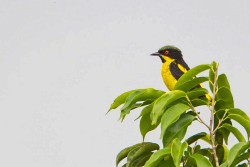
(167, 77)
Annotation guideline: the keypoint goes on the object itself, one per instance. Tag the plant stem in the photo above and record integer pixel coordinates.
(212, 118)
(221, 120)
(192, 107)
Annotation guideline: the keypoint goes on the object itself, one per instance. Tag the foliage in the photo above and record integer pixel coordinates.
(175, 111)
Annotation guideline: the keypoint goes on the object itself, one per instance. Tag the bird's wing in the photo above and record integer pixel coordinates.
(177, 69)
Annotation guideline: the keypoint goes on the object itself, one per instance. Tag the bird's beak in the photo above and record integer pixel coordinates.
(155, 54)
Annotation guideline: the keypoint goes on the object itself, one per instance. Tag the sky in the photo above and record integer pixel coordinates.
(62, 63)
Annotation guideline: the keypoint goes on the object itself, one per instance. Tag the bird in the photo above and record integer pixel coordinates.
(173, 65)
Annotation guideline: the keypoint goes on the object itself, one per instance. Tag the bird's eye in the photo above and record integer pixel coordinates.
(166, 52)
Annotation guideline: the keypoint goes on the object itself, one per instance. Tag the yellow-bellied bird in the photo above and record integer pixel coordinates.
(173, 65)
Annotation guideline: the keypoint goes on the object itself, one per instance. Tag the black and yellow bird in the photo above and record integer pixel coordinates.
(173, 65)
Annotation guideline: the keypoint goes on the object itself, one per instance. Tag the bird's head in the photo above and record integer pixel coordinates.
(168, 51)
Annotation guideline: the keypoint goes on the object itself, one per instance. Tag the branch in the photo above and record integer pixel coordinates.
(212, 118)
(199, 118)
(221, 120)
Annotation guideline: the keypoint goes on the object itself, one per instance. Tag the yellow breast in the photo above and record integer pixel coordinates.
(167, 77)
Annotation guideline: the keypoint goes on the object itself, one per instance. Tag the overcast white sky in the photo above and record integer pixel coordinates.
(62, 63)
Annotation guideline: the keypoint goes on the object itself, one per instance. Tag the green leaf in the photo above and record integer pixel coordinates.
(225, 95)
(196, 93)
(190, 161)
(142, 95)
(226, 152)
(241, 158)
(214, 66)
(241, 120)
(131, 154)
(199, 102)
(166, 163)
(142, 150)
(243, 165)
(205, 152)
(222, 81)
(219, 137)
(145, 122)
(177, 129)
(120, 99)
(201, 161)
(238, 112)
(195, 137)
(235, 132)
(177, 150)
(157, 157)
(219, 105)
(235, 151)
(191, 84)
(140, 161)
(171, 115)
(163, 102)
(206, 139)
(220, 153)
(190, 74)
(138, 98)
(123, 153)
(132, 107)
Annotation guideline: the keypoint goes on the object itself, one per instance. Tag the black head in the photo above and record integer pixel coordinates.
(168, 51)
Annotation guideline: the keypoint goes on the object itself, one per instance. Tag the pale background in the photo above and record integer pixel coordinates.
(63, 62)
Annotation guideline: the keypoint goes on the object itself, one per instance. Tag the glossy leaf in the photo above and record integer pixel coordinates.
(195, 137)
(132, 153)
(241, 158)
(201, 161)
(222, 81)
(145, 122)
(226, 152)
(163, 102)
(171, 115)
(196, 93)
(235, 151)
(238, 112)
(241, 120)
(157, 157)
(206, 139)
(191, 84)
(190, 161)
(123, 153)
(225, 95)
(220, 153)
(164, 163)
(141, 95)
(219, 105)
(190, 74)
(127, 110)
(143, 149)
(235, 132)
(199, 102)
(177, 129)
(243, 165)
(205, 152)
(120, 99)
(177, 150)
(139, 161)
(219, 137)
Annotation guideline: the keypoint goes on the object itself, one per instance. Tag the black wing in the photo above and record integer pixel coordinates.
(175, 69)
